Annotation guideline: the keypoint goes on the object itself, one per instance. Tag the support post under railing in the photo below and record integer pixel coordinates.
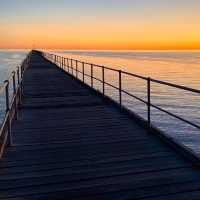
(120, 88)
(83, 65)
(21, 70)
(72, 67)
(103, 80)
(76, 69)
(149, 101)
(68, 65)
(7, 95)
(14, 83)
(8, 112)
(15, 94)
(18, 83)
(64, 63)
(18, 77)
(92, 75)
(21, 85)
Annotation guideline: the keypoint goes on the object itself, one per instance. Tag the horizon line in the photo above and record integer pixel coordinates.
(87, 49)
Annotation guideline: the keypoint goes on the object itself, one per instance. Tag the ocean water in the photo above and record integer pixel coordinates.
(181, 68)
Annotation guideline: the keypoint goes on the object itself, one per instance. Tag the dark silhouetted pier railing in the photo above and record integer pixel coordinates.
(12, 91)
(72, 66)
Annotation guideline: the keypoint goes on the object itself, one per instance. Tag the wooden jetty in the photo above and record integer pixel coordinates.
(69, 142)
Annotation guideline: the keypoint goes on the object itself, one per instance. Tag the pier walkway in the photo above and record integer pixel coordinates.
(71, 143)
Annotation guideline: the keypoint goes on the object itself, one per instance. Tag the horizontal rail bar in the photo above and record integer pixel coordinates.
(176, 86)
(135, 75)
(97, 79)
(113, 86)
(111, 69)
(176, 116)
(138, 98)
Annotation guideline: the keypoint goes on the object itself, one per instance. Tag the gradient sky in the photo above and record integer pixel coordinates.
(100, 24)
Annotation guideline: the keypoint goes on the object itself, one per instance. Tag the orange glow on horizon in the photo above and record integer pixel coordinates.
(103, 34)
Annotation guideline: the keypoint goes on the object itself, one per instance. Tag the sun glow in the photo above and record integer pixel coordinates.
(120, 29)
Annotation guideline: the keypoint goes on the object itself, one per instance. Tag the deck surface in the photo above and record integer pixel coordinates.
(72, 144)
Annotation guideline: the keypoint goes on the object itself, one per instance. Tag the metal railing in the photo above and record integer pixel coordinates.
(72, 66)
(12, 89)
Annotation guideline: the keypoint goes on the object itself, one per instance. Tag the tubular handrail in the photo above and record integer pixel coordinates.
(139, 76)
(135, 75)
(12, 102)
(176, 86)
(70, 62)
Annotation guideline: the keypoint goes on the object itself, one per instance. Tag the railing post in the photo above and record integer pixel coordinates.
(21, 71)
(72, 67)
(103, 80)
(21, 84)
(18, 77)
(8, 112)
(15, 94)
(14, 83)
(18, 85)
(65, 64)
(92, 75)
(68, 65)
(7, 95)
(83, 64)
(120, 88)
(149, 101)
(76, 69)
(61, 62)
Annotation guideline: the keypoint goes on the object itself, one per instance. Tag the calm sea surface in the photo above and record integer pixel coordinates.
(176, 67)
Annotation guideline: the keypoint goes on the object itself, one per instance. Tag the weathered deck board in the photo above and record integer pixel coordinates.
(73, 144)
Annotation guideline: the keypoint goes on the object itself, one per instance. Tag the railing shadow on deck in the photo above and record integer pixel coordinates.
(12, 90)
(76, 67)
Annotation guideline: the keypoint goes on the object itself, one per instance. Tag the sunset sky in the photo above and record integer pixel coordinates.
(100, 24)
